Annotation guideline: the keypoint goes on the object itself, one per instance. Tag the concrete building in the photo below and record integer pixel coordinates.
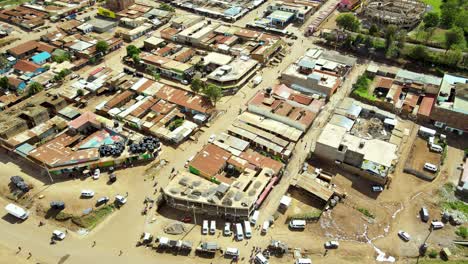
(119, 5)
(299, 12)
(450, 111)
(372, 158)
(286, 111)
(235, 74)
(194, 34)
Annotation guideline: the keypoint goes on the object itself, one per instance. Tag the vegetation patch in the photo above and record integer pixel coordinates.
(90, 220)
(434, 3)
(62, 216)
(309, 216)
(366, 212)
(361, 88)
(462, 232)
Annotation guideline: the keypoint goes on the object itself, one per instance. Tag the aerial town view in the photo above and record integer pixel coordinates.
(234, 131)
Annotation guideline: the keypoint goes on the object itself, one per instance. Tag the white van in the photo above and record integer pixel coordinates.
(260, 259)
(232, 252)
(205, 227)
(17, 211)
(248, 229)
(265, 227)
(297, 224)
(227, 229)
(213, 227)
(303, 261)
(436, 148)
(257, 80)
(430, 167)
(239, 232)
(254, 217)
(437, 225)
(424, 214)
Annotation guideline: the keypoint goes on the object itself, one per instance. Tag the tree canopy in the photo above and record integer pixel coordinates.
(454, 37)
(197, 85)
(34, 88)
(213, 92)
(431, 19)
(132, 50)
(348, 21)
(4, 83)
(102, 46)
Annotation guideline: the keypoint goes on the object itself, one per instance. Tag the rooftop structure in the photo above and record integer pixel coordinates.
(287, 111)
(236, 73)
(403, 13)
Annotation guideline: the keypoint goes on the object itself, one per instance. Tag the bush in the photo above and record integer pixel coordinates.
(366, 212)
(310, 216)
(361, 88)
(91, 220)
(432, 253)
(462, 232)
(456, 206)
(62, 216)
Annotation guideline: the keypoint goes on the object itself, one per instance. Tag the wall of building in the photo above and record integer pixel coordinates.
(283, 119)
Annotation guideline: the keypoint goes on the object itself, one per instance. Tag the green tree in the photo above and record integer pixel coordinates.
(419, 53)
(431, 19)
(136, 58)
(166, 7)
(4, 83)
(34, 88)
(3, 62)
(373, 30)
(131, 50)
(197, 85)
(454, 36)
(449, 12)
(348, 21)
(390, 33)
(102, 47)
(213, 92)
(80, 92)
(462, 20)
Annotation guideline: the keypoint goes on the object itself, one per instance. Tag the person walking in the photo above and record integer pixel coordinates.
(94, 243)
(120, 253)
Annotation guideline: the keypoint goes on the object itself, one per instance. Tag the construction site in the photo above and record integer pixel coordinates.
(402, 13)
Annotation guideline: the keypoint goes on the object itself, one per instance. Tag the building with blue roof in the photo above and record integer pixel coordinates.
(233, 11)
(41, 58)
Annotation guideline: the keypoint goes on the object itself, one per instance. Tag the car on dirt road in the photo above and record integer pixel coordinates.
(87, 193)
(331, 244)
(97, 174)
(404, 235)
(57, 205)
(212, 138)
(102, 200)
(58, 235)
(121, 200)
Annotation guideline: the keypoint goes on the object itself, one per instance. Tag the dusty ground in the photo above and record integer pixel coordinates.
(420, 154)
(393, 209)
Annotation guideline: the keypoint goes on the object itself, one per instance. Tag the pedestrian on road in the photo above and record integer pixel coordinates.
(120, 253)
(126, 194)
(19, 249)
(29, 255)
(94, 243)
(66, 231)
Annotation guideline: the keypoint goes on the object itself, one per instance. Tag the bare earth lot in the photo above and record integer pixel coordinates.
(420, 154)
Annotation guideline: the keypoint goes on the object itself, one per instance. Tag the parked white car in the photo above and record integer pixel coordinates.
(97, 174)
(120, 199)
(212, 138)
(227, 229)
(87, 193)
(57, 234)
(404, 235)
(332, 244)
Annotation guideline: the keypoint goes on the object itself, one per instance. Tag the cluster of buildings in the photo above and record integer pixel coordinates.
(61, 139)
(318, 72)
(156, 109)
(228, 11)
(361, 139)
(232, 176)
(280, 14)
(224, 55)
(441, 102)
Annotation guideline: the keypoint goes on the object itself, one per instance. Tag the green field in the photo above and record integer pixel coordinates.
(434, 3)
(12, 2)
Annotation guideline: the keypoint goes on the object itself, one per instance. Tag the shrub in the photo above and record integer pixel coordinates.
(432, 253)
(366, 212)
(462, 232)
(62, 216)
